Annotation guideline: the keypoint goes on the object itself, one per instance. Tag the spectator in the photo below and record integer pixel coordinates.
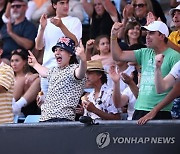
(102, 45)
(21, 33)
(75, 10)
(6, 90)
(174, 37)
(24, 78)
(127, 97)
(51, 29)
(66, 81)
(102, 14)
(156, 39)
(99, 104)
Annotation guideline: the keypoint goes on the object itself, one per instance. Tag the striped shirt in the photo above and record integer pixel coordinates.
(6, 81)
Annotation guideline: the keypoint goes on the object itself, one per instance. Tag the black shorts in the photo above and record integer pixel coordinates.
(161, 115)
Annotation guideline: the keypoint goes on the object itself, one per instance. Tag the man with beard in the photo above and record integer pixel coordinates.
(18, 32)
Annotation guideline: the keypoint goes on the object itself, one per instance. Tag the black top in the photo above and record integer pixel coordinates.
(101, 25)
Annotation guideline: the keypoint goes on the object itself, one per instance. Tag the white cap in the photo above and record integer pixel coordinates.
(174, 9)
(158, 26)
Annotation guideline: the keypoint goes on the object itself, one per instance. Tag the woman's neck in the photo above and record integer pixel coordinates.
(132, 42)
(20, 74)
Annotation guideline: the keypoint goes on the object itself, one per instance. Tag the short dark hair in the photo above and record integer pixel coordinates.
(103, 77)
(55, 1)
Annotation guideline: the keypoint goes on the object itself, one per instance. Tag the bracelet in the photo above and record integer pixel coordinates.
(113, 37)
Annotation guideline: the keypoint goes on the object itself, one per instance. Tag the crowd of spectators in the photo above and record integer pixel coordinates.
(98, 58)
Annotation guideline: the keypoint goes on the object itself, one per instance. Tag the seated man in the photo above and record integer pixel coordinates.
(98, 104)
(18, 32)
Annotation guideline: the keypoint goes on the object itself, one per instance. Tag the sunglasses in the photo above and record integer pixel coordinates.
(16, 6)
(141, 5)
(16, 51)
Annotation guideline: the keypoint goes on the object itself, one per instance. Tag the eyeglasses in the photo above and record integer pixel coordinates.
(16, 6)
(141, 5)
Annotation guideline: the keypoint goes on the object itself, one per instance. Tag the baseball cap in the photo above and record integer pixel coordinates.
(95, 65)
(157, 26)
(174, 9)
(66, 44)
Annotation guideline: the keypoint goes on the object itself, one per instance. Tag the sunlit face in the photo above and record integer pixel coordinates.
(104, 45)
(153, 38)
(176, 18)
(62, 8)
(140, 8)
(62, 57)
(99, 8)
(134, 33)
(18, 9)
(17, 63)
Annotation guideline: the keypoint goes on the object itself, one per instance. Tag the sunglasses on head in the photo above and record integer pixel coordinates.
(141, 5)
(16, 51)
(17, 6)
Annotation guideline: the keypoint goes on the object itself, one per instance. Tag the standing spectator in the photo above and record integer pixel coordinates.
(99, 104)
(156, 39)
(66, 81)
(51, 29)
(6, 90)
(21, 33)
(127, 96)
(102, 14)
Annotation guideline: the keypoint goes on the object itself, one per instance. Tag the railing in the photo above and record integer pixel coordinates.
(107, 137)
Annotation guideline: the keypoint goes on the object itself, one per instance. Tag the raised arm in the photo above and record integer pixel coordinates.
(111, 9)
(39, 42)
(89, 48)
(162, 84)
(43, 71)
(117, 53)
(58, 22)
(132, 85)
(81, 70)
(118, 99)
(88, 7)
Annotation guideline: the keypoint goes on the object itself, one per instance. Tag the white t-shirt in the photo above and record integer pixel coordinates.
(53, 33)
(131, 102)
(175, 71)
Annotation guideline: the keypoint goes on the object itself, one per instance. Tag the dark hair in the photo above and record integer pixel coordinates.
(131, 25)
(1, 44)
(97, 40)
(20, 52)
(165, 38)
(73, 60)
(55, 1)
(24, 55)
(103, 77)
